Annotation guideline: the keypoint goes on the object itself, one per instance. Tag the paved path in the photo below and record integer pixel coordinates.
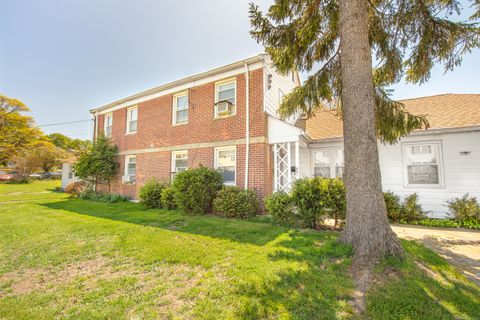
(459, 246)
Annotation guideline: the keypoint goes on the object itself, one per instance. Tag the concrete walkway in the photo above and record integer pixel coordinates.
(459, 246)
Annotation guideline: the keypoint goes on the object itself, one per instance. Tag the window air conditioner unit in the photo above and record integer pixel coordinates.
(128, 179)
(224, 107)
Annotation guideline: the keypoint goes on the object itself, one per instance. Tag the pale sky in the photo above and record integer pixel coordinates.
(64, 57)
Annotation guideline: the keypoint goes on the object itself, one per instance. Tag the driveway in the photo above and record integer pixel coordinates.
(459, 246)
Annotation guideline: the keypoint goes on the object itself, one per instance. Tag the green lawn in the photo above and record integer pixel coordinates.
(75, 259)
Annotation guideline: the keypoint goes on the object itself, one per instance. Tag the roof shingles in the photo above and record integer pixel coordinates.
(442, 112)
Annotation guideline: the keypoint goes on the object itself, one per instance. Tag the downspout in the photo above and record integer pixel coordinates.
(95, 128)
(247, 124)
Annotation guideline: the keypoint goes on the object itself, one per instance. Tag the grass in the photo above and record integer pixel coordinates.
(76, 259)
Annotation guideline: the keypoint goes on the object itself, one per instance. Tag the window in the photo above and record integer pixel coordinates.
(225, 99)
(108, 121)
(179, 161)
(422, 164)
(132, 120)
(180, 108)
(328, 163)
(130, 169)
(226, 163)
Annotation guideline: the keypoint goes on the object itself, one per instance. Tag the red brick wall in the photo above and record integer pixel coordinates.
(155, 129)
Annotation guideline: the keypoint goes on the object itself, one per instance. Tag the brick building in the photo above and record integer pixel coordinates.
(219, 119)
(227, 119)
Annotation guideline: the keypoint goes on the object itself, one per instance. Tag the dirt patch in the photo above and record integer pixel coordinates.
(170, 282)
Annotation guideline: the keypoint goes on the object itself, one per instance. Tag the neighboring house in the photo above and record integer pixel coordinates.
(226, 118)
(438, 164)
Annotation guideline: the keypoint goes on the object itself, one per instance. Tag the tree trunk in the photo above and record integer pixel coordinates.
(367, 228)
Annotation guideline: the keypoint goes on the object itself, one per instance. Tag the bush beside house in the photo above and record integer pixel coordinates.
(195, 189)
(234, 202)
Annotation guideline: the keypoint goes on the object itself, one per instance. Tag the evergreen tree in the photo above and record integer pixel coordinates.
(334, 41)
(97, 164)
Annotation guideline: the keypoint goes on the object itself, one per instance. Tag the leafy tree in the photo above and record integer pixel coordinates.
(97, 164)
(67, 143)
(337, 39)
(16, 130)
(38, 155)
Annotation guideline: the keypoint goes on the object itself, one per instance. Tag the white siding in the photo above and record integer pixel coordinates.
(279, 85)
(461, 172)
(280, 131)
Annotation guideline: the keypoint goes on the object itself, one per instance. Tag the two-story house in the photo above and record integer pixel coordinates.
(223, 118)
(226, 118)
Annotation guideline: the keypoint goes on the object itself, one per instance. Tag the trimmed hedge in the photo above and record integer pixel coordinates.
(280, 206)
(234, 202)
(168, 198)
(151, 193)
(195, 189)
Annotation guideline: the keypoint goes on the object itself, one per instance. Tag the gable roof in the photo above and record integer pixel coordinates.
(444, 111)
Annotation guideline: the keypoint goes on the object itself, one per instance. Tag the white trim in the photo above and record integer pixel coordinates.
(215, 162)
(174, 108)
(208, 144)
(174, 153)
(107, 115)
(275, 164)
(213, 75)
(439, 153)
(127, 159)
(129, 119)
(247, 123)
(220, 83)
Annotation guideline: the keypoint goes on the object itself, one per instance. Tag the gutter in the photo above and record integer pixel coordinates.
(247, 123)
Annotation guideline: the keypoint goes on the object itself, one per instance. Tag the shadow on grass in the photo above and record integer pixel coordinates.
(320, 288)
(216, 227)
(426, 287)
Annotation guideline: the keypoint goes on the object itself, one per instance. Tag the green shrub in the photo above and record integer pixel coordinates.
(151, 193)
(168, 198)
(446, 223)
(411, 210)
(464, 209)
(89, 194)
(393, 205)
(195, 189)
(334, 199)
(280, 206)
(234, 202)
(307, 196)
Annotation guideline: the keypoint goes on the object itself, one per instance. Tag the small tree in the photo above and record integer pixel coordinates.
(38, 155)
(97, 164)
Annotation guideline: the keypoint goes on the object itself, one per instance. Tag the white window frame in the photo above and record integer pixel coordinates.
(216, 152)
(110, 116)
(174, 154)
(174, 111)
(439, 155)
(127, 159)
(332, 164)
(220, 83)
(128, 119)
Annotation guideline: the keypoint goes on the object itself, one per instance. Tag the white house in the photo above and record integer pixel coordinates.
(438, 164)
